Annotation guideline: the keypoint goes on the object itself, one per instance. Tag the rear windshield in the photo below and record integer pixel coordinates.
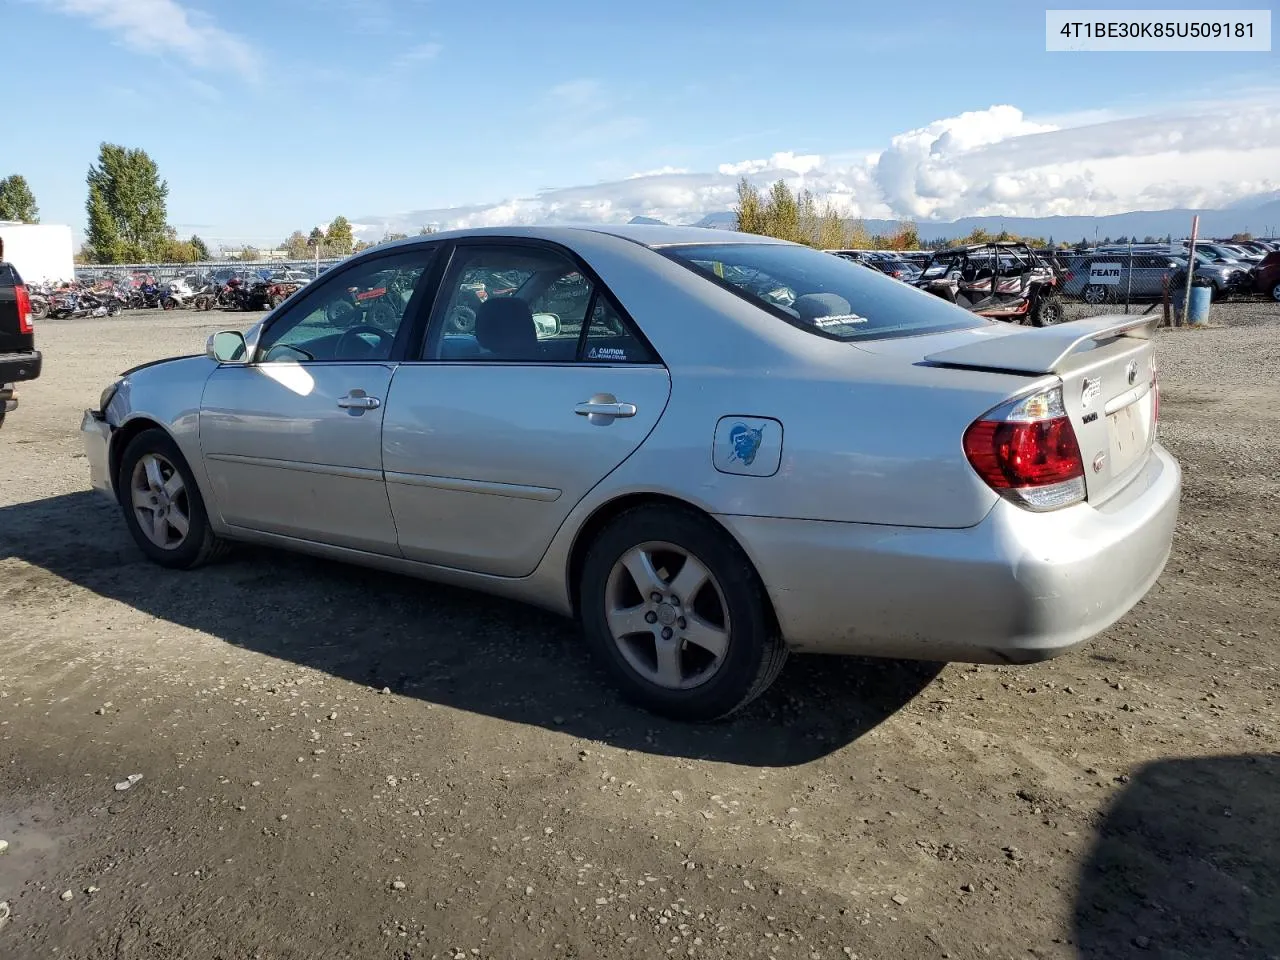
(824, 294)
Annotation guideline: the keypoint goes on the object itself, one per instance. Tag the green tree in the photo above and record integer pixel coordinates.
(427, 230)
(201, 248)
(749, 212)
(360, 245)
(296, 245)
(1235, 237)
(316, 237)
(856, 236)
(905, 237)
(339, 238)
(831, 232)
(126, 206)
(782, 213)
(392, 236)
(250, 253)
(17, 202)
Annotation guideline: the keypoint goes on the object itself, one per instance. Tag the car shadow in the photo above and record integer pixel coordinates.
(446, 645)
(1186, 864)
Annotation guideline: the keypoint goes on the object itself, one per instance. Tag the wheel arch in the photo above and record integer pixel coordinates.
(120, 439)
(607, 512)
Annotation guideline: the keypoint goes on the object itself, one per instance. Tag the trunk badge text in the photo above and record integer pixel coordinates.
(1092, 388)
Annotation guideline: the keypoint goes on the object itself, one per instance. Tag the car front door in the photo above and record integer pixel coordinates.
(501, 428)
(292, 441)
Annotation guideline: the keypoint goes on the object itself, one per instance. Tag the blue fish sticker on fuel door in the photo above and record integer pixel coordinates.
(746, 442)
(750, 446)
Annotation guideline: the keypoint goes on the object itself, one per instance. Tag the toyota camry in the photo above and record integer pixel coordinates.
(711, 448)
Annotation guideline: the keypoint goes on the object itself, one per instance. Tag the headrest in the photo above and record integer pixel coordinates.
(504, 327)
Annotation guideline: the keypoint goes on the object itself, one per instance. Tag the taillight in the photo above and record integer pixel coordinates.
(24, 308)
(1026, 450)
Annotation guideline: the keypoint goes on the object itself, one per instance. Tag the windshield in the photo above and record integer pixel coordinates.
(826, 295)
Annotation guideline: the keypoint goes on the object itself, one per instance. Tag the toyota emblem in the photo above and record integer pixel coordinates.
(1098, 462)
(1131, 372)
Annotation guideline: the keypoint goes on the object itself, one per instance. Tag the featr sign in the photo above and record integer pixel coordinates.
(1104, 273)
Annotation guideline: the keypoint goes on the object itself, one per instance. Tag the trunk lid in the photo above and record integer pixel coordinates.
(1108, 373)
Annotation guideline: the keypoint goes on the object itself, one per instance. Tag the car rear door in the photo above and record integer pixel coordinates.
(496, 433)
(292, 442)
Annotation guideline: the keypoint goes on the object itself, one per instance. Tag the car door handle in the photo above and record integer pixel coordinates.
(603, 407)
(359, 400)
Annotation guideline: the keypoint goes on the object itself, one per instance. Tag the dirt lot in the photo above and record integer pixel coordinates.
(336, 763)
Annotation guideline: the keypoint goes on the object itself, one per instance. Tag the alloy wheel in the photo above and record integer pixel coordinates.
(667, 615)
(160, 501)
(1094, 294)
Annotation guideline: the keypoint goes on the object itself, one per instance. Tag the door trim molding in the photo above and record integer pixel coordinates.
(325, 469)
(519, 491)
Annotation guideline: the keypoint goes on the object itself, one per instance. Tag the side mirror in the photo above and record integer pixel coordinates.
(226, 346)
(547, 325)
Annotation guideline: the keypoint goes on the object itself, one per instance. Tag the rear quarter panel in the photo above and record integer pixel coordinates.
(867, 437)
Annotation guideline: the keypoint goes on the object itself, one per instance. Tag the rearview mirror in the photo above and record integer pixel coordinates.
(226, 346)
(547, 325)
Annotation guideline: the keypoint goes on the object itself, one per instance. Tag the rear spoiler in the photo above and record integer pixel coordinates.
(1042, 350)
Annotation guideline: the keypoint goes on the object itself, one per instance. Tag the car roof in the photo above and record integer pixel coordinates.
(646, 234)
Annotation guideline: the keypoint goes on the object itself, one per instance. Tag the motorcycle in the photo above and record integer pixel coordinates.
(179, 295)
(75, 305)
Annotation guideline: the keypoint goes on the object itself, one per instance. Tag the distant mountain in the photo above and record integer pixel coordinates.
(661, 223)
(1261, 217)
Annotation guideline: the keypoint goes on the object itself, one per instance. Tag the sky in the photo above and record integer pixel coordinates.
(275, 115)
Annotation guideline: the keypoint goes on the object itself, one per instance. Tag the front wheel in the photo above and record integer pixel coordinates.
(1275, 292)
(169, 303)
(162, 505)
(1095, 294)
(676, 613)
(39, 308)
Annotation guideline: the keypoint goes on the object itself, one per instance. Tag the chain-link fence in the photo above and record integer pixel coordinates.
(169, 271)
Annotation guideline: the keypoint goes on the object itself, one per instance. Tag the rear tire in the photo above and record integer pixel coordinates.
(153, 471)
(719, 648)
(1095, 294)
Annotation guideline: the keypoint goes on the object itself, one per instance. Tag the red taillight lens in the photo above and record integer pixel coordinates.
(24, 308)
(1027, 451)
(1012, 455)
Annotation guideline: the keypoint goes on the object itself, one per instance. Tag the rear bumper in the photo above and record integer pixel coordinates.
(1018, 587)
(17, 367)
(95, 433)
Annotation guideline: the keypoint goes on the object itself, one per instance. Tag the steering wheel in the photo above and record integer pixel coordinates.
(354, 333)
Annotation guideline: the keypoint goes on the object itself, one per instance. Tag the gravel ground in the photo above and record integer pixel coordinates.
(328, 762)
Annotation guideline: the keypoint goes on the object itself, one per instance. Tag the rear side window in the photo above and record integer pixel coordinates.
(825, 295)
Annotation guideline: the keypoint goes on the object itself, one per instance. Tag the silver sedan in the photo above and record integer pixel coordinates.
(711, 448)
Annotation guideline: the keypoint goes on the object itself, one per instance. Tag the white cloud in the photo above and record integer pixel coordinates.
(991, 162)
(166, 27)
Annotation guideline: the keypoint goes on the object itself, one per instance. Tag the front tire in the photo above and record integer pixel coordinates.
(169, 303)
(162, 505)
(1275, 292)
(675, 612)
(1095, 294)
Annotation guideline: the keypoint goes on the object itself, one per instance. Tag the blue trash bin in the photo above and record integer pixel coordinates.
(1201, 298)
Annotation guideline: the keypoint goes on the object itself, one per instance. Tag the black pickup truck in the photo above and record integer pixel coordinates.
(19, 358)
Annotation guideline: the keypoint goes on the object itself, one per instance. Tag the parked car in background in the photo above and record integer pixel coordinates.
(1144, 280)
(1266, 276)
(899, 445)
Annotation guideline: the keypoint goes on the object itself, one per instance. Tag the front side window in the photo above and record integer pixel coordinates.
(522, 304)
(825, 295)
(353, 315)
